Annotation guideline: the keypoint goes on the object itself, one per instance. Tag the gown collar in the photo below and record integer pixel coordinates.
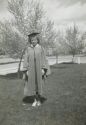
(35, 46)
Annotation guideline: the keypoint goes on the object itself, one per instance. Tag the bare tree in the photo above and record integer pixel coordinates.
(29, 16)
(58, 44)
(73, 41)
(49, 35)
(10, 40)
(84, 42)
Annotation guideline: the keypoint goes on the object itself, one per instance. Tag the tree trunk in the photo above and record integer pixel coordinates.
(57, 59)
(19, 66)
(73, 58)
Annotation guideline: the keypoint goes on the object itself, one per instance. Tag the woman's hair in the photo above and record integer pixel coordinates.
(29, 39)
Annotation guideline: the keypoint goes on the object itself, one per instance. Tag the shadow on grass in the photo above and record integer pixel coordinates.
(56, 67)
(69, 63)
(30, 99)
(62, 65)
(12, 76)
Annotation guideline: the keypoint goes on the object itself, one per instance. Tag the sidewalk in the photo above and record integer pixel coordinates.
(8, 60)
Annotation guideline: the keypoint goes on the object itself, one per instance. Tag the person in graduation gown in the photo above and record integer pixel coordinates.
(36, 68)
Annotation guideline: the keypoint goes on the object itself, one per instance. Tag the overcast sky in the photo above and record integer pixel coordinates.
(62, 12)
(67, 12)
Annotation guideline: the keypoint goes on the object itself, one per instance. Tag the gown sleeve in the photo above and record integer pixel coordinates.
(26, 61)
(45, 64)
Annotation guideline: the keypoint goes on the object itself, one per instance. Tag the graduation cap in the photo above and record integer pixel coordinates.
(33, 34)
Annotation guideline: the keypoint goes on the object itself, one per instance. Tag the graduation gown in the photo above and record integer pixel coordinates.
(34, 61)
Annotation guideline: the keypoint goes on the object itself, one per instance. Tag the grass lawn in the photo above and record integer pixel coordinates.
(65, 104)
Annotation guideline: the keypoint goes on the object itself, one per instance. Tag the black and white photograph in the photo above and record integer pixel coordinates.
(42, 62)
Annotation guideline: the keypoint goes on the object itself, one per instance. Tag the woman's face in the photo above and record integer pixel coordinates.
(34, 41)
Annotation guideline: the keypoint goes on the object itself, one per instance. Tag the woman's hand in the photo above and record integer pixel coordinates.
(25, 76)
(44, 71)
